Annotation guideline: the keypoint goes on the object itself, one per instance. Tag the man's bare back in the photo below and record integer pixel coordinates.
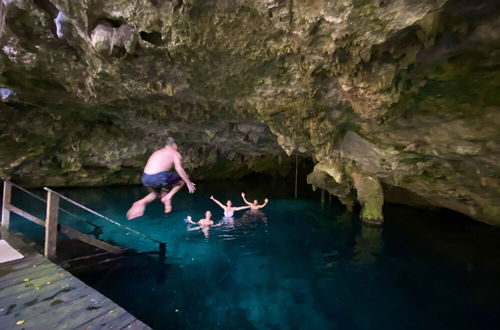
(161, 160)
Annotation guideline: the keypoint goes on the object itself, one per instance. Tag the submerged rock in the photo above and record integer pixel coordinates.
(386, 96)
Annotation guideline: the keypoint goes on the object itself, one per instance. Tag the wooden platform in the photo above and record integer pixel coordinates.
(37, 294)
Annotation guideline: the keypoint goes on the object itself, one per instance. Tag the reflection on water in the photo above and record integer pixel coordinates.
(368, 245)
(298, 266)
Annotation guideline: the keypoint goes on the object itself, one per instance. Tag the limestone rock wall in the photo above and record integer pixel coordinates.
(394, 99)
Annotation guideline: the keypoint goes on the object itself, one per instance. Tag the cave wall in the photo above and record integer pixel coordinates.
(385, 95)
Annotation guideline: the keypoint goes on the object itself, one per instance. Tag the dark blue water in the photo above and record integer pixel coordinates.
(298, 267)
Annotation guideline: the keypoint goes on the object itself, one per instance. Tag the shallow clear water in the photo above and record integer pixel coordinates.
(300, 267)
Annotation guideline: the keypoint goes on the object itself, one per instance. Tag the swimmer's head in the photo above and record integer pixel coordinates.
(208, 214)
(229, 203)
(255, 202)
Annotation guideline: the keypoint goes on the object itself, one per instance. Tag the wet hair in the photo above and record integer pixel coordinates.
(169, 141)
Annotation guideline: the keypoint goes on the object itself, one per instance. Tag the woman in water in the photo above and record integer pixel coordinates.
(228, 208)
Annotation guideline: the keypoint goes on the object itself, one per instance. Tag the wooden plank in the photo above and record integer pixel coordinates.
(26, 215)
(73, 313)
(59, 304)
(40, 302)
(89, 240)
(121, 321)
(21, 288)
(137, 325)
(114, 319)
(7, 191)
(43, 288)
(26, 269)
(30, 272)
(52, 216)
(33, 308)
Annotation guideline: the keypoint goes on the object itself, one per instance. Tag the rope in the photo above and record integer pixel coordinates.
(63, 210)
(101, 216)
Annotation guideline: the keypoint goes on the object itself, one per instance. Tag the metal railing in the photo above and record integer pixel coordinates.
(52, 227)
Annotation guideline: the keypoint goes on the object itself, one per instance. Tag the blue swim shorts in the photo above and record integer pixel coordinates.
(165, 180)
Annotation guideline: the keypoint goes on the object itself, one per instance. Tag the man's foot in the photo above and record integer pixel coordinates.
(168, 204)
(136, 211)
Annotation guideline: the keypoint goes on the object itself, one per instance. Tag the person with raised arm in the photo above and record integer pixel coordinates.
(203, 224)
(229, 209)
(160, 180)
(255, 205)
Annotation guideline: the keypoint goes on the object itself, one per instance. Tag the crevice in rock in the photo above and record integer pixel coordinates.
(154, 2)
(109, 22)
(47, 6)
(152, 37)
(176, 5)
(383, 3)
(3, 13)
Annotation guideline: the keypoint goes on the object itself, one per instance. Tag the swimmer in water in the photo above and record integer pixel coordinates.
(229, 209)
(254, 207)
(203, 224)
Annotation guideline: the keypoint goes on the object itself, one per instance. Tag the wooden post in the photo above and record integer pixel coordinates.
(51, 218)
(7, 190)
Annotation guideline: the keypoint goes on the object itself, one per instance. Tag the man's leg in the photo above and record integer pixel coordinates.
(138, 207)
(167, 199)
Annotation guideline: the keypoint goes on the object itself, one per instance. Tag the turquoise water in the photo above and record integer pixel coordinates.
(298, 267)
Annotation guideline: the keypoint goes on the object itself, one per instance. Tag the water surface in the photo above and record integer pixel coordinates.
(300, 266)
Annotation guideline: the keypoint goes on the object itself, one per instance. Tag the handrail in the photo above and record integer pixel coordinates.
(102, 216)
(51, 222)
(60, 208)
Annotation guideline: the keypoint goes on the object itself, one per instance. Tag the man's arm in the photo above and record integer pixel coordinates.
(244, 199)
(217, 202)
(265, 202)
(182, 173)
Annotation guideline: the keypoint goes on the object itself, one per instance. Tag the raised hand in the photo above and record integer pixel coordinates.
(266, 200)
(242, 194)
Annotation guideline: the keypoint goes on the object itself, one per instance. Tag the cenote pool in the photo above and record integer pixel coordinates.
(299, 267)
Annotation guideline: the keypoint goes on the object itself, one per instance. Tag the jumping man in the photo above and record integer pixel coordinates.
(160, 180)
